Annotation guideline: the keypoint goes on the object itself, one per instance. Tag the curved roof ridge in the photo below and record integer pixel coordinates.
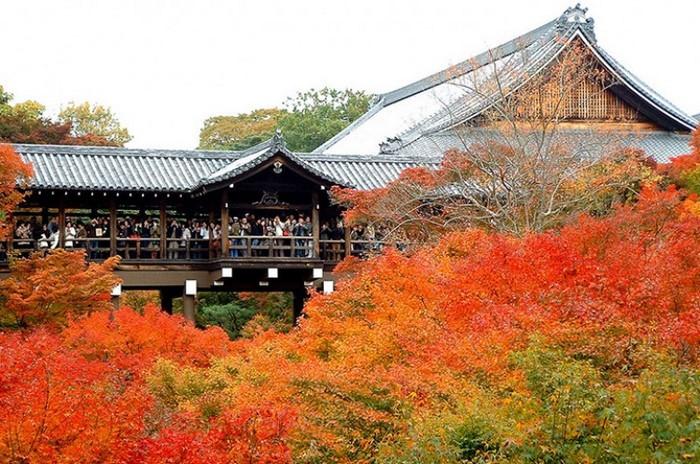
(377, 158)
(543, 53)
(460, 69)
(90, 150)
(452, 72)
(645, 90)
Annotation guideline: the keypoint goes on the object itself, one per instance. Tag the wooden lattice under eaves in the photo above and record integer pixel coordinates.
(575, 88)
(590, 101)
(584, 101)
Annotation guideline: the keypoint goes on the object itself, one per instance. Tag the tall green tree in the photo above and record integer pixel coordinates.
(92, 119)
(307, 120)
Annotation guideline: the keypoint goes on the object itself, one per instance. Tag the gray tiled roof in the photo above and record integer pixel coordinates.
(367, 172)
(659, 145)
(107, 168)
(260, 153)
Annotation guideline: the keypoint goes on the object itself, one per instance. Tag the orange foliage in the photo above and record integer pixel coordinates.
(81, 396)
(54, 288)
(13, 172)
(56, 406)
(403, 337)
(685, 163)
(405, 332)
(251, 436)
(132, 342)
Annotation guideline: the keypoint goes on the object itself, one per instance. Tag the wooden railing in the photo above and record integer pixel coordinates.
(257, 246)
(178, 249)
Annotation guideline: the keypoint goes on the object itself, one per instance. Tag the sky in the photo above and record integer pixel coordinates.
(165, 66)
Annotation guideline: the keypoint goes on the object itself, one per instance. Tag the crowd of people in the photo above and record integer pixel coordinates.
(248, 236)
(281, 236)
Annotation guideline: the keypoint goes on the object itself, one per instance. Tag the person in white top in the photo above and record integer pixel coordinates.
(70, 235)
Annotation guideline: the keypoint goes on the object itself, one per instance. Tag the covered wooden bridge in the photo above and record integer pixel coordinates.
(256, 220)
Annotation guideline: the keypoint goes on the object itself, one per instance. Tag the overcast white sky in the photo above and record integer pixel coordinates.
(165, 66)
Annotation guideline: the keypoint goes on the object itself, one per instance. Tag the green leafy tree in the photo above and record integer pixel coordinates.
(97, 120)
(307, 120)
(244, 314)
(315, 116)
(5, 98)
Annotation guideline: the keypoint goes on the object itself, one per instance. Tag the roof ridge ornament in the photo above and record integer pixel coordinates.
(577, 15)
(277, 142)
(390, 145)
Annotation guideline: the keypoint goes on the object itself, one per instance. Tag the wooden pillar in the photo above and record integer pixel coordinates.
(315, 227)
(116, 295)
(348, 240)
(164, 236)
(61, 223)
(224, 223)
(189, 302)
(298, 304)
(112, 226)
(212, 218)
(188, 307)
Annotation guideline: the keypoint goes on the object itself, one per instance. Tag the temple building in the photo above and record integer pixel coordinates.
(442, 111)
(262, 219)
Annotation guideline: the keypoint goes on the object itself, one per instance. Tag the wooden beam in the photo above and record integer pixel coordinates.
(61, 223)
(315, 227)
(224, 223)
(163, 230)
(112, 226)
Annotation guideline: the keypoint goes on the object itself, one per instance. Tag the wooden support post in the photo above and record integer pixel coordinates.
(224, 223)
(348, 239)
(188, 307)
(112, 226)
(212, 218)
(61, 223)
(315, 227)
(164, 236)
(189, 295)
(298, 304)
(116, 295)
